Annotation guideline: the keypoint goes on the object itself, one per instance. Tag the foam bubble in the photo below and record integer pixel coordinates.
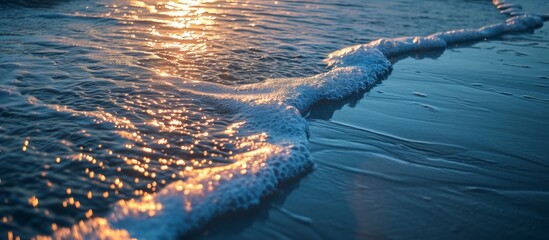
(398, 46)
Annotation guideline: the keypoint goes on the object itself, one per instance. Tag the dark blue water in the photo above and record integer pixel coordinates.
(451, 147)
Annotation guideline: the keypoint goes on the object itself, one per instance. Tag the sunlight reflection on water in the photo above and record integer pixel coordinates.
(93, 114)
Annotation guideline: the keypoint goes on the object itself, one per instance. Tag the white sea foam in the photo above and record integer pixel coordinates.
(272, 112)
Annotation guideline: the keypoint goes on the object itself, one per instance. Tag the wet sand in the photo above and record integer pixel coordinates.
(450, 146)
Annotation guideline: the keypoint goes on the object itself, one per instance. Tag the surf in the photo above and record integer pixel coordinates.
(273, 132)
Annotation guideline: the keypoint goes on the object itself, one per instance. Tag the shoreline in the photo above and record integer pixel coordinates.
(421, 183)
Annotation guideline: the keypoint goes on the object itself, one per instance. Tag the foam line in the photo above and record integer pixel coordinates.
(275, 133)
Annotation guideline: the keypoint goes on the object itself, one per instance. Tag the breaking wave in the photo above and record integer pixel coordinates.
(274, 132)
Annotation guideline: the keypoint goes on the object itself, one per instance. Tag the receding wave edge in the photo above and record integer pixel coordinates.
(272, 110)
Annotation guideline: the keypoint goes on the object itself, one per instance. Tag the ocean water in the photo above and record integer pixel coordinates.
(429, 153)
(149, 119)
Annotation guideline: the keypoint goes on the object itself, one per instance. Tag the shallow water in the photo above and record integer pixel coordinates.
(455, 162)
(452, 147)
(94, 108)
